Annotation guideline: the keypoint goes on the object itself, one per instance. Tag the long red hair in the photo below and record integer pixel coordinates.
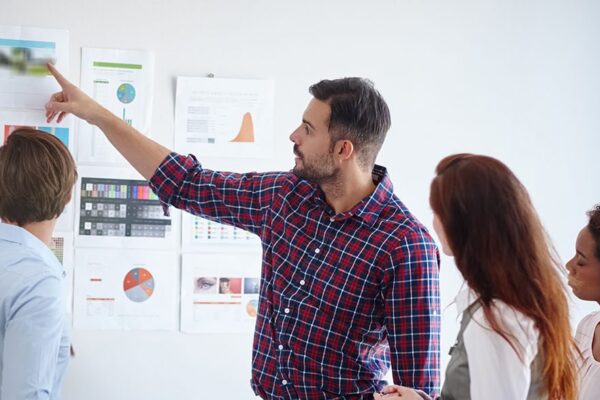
(502, 251)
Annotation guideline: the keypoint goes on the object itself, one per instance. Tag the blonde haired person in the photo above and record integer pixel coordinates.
(37, 174)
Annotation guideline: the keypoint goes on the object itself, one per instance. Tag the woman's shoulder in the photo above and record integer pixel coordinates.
(590, 320)
(586, 328)
(518, 326)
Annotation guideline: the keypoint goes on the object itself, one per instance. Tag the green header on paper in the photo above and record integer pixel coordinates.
(116, 65)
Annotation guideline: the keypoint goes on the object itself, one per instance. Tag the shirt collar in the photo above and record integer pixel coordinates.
(18, 235)
(369, 208)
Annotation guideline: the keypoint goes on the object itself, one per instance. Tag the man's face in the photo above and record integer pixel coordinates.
(313, 148)
(584, 268)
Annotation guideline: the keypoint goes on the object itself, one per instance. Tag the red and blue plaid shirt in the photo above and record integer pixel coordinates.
(341, 297)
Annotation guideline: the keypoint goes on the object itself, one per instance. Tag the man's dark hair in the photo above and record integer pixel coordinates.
(358, 114)
(594, 227)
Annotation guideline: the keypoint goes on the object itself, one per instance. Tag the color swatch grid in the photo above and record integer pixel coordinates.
(122, 208)
(58, 248)
(205, 231)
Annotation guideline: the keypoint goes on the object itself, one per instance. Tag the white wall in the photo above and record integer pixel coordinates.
(516, 79)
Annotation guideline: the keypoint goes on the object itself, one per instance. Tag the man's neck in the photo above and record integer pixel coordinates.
(348, 189)
(42, 230)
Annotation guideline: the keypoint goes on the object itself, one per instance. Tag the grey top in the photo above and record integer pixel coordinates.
(457, 383)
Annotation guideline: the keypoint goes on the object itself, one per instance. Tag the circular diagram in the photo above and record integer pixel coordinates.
(126, 93)
(252, 308)
(138, 285)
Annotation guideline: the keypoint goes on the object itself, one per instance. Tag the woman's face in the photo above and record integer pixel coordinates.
(441, 234)
(584, 268)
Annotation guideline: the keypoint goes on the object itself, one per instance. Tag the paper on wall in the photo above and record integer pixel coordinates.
(123, 82)
(224, 117)
(121, 212)
(25, 82)
(125, 289)
(219, 292)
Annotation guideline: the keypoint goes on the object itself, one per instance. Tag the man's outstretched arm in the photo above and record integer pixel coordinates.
(144, 154)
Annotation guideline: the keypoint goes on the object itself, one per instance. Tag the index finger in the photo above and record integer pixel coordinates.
(62, 81)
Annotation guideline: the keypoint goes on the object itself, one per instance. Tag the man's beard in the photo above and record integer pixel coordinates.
(320, 172)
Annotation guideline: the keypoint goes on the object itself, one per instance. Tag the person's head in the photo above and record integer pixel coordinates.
(37, 174)
(584, 267)
(485, 219)
(346, 121)
(224, 285)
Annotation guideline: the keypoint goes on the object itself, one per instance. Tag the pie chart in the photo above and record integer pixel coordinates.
(126, 93)
(138, 285)
(252, 308)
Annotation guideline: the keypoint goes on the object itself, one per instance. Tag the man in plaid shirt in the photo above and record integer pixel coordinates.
(349, 281)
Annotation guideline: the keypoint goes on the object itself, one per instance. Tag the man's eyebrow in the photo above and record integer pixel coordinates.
(307, 122)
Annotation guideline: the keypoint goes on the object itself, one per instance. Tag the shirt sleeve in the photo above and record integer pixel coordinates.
(412, 313)
(496, 372)
(32, 340)
(240, 200)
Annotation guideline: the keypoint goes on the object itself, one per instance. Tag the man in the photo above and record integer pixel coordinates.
(349, 278)
(37, 174)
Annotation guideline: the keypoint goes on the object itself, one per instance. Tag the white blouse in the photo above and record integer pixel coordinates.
(496, 371)
(589, 372)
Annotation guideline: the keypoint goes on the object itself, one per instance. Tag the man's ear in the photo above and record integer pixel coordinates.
(344, 149)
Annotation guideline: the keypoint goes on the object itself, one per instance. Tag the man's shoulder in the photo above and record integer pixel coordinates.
(397, 219)
(289, 185)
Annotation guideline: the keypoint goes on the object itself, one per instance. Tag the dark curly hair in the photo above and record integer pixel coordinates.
(594, 226)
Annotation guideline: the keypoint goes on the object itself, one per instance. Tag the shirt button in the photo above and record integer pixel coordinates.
(287, 311)
(302, 282)
(317, 251)
(332, 219)
(284, 382)
(280, 347)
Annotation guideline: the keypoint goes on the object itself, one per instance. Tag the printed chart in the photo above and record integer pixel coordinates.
(120, 213)
(125, 289)
(120, 207)
(200, 233)
(219, 292)
(15, 119)
(62, 247)
(138, 285)
(25, 82)
(224, 117)
(122, 81)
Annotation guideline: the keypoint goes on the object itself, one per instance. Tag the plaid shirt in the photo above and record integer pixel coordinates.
(341, 295)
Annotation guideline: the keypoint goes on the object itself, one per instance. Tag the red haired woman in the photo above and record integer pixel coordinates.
(515, 339)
